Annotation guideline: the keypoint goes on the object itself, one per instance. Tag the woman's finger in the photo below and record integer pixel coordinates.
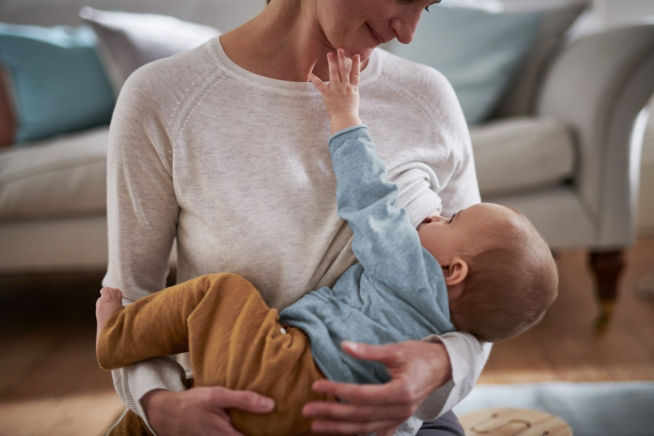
(247, 401)
(390, 354)
(379, 394)
(355, 412)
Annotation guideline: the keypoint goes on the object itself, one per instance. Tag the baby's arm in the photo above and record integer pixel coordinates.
(341, 94)
(385, 241)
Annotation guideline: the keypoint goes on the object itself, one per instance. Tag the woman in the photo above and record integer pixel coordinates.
(223, 149)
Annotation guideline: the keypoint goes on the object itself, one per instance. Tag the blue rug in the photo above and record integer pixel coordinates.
(591, 409)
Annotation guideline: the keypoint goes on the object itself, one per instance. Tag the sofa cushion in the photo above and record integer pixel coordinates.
(129, 40)
(479, 51)
(59, 84)
(518, 154)
(59, 177)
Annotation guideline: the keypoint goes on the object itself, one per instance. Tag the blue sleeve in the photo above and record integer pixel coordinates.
(385, 242)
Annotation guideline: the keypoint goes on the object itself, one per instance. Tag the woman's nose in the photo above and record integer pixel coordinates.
(404, 26)
(435, 219)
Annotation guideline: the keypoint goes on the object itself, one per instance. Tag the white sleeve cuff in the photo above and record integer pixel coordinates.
(134, 381)
(468, 357)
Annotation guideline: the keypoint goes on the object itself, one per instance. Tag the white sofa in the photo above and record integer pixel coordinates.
(569, 159)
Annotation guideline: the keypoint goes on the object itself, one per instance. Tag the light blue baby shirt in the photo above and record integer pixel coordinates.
(396, 292)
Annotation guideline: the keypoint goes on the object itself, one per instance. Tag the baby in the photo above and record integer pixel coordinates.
(485, 270)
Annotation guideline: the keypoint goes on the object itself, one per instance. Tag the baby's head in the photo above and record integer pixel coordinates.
(500, 274)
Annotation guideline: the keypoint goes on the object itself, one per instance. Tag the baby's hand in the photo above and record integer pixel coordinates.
(341, 94)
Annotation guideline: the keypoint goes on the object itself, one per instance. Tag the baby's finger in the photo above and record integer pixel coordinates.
(356, 69)
(342, 65)
(316, 81)
(334, 76)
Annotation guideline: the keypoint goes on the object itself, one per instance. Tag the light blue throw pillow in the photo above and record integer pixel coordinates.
(478, 51)
(58, 82)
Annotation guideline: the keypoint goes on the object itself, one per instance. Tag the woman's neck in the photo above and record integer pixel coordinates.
(283, 42)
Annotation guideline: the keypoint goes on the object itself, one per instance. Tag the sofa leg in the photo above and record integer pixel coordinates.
(606, 267)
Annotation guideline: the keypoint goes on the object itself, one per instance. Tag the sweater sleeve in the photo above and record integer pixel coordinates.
(385, 242)
(468, 357)
(142, 215)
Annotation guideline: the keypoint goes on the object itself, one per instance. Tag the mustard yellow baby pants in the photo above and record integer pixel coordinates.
(234, 340)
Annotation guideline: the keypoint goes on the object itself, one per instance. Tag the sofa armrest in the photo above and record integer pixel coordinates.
(598, 85)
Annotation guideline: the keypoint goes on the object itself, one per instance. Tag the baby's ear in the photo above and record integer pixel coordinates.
(455, 272)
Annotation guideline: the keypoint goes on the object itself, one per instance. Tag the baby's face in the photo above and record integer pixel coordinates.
(449, 237)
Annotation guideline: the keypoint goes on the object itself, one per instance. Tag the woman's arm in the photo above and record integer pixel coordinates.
(141, 217)
(142, 220)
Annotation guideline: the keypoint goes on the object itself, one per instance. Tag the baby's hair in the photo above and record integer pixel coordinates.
(512, 280)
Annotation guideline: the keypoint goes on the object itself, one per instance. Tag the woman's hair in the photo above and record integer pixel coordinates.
(512, 280)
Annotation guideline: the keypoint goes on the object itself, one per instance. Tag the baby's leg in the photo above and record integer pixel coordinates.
(110, 302)
(236, 341)
(152, 326)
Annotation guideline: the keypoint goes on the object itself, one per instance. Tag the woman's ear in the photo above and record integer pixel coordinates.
(455, 272)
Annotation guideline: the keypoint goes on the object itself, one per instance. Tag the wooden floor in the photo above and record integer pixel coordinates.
(50, 384)
(564, 347)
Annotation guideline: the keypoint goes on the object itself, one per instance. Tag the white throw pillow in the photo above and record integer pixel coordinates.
(129, 40)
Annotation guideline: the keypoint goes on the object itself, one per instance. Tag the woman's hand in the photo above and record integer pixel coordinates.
(341, 94)
(200, 411)
(416, 369)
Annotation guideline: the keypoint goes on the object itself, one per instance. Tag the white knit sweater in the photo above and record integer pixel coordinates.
(235, 167)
